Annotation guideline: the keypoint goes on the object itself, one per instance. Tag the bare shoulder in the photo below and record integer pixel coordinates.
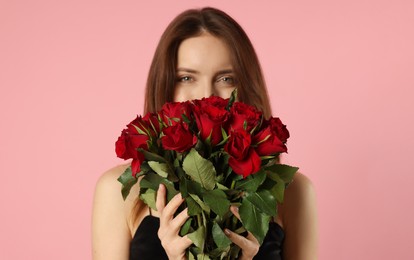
(110, 230)
(108, 190)
(299, 217)
(300, 190)
(108, 181)
(300, 198)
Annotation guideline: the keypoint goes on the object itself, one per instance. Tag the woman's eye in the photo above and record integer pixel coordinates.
(185, 79)
(227, 80)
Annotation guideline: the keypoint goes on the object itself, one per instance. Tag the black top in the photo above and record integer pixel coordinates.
(146, 244)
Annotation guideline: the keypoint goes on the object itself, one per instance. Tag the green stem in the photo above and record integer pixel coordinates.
(233, 183)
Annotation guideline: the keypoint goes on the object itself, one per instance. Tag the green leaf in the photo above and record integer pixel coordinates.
(190, 256)
(252, 182)
(194, 188)
(160, 168)
(185, 119)
(185, 228)
(199, 169)
(234, 252)
(203, 257)
(219, 253)
(225, 137)
(175, 119)
(183, 187)
(253, 220)
(263, 201)
(152, 181)
(221, 186)
(198, 237)
(221, 240)
(151, 156)
(127, 181)
(278, 189)
(193, 207)
(217, 201)
(200, 202)
(148, 197)
(268, 157)
(180, 172)
(285, 172)
(264, 140)
(140, 131)
(232, 99)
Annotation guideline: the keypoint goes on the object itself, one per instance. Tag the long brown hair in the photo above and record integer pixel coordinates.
(191, 23)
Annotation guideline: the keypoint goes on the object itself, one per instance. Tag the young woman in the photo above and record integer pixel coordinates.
(201, 53)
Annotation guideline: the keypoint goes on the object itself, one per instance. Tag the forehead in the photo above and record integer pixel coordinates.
(204, 51)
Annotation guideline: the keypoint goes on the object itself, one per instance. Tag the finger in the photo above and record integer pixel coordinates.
(160, 201)
(239, 240)
(252, 238)
(235, 211)
(171, 208)
(180, 219)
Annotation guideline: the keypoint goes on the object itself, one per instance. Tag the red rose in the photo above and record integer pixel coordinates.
(126, 148)
(211, 115)
(133, 137)
(241, 112)
(213, 100)
(139, 126)
(178, 138)
(151, 119)
(279, 128)
(174, 110)
(127, 144)
(243, 158)
(272, 137)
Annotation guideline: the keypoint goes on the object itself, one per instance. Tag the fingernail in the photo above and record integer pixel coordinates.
(227, 232)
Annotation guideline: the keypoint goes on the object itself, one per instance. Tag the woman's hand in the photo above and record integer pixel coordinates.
(173, 243)
(249, 245)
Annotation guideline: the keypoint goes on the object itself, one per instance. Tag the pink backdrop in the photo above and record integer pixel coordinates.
(340, 75)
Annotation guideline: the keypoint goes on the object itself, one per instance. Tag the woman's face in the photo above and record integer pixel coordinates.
(204, 68)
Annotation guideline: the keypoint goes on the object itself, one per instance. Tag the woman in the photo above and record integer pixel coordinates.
(201, 53)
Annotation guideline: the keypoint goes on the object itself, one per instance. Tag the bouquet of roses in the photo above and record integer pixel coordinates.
(217, 153)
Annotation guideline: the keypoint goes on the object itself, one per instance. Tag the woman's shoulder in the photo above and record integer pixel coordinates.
(109, 186)
(109, 178)
(110, 225)
(299, 196)
(301, 186)
(108, 192)
(299, 217)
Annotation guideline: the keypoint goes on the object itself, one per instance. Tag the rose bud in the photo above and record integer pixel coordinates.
(211, 118)
(271, 138)
(172, 110)
(126, 148)
(243, 158)
(240, 113)
(151, 119)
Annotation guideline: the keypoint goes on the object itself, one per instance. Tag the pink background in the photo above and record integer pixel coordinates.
(340, 75)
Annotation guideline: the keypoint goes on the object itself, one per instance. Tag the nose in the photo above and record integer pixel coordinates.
(208, 89)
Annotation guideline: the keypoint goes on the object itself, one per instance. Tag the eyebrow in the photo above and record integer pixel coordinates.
(197, 72)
